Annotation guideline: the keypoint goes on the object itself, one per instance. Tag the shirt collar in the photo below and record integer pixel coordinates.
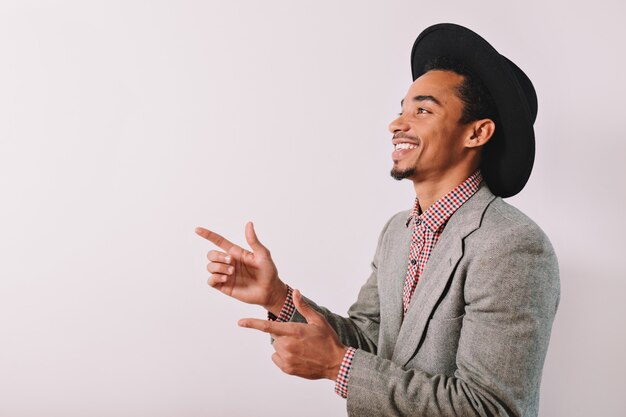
(436, 216)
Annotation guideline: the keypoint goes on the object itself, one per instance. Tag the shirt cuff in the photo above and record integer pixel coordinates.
(288, 308)
(341, 383)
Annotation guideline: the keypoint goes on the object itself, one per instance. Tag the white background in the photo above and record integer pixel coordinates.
(125, 124)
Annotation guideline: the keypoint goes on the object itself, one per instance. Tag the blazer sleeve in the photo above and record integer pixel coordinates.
(360, 328)
(511, 295)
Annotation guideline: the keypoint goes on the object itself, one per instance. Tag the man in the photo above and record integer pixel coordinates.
(456, 316)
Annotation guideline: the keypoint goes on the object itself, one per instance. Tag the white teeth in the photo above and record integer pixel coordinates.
(401, 146)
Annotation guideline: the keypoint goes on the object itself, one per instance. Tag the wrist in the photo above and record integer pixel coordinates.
(277, 298)
(338, 357)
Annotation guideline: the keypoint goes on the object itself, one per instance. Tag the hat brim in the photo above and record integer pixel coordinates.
(508, 161)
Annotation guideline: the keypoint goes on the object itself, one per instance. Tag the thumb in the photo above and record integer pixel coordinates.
(305, 309)
(253, 240)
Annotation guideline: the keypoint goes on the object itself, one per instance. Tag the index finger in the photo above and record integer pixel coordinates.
(272, 327)
(219, 240)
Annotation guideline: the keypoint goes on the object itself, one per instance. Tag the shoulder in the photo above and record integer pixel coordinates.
(502, 221)
(510, 254)
(509, 240)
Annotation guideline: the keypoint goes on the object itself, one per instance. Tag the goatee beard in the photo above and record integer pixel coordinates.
(400, 174)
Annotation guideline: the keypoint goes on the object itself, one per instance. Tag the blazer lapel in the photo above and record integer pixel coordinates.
(437, 273)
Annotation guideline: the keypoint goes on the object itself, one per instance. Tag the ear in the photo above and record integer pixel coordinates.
(480, 131)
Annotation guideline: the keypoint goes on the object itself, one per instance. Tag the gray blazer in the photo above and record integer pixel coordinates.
(474, 339)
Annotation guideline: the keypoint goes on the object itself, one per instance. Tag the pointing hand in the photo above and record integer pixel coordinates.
(247, 276)
(310, 350)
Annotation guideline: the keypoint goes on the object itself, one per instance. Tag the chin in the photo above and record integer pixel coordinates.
(401, 173)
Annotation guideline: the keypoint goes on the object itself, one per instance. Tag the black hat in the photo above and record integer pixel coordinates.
(507, 159)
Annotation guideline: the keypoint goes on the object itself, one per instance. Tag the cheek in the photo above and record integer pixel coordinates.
(450, 140)
(442, 148)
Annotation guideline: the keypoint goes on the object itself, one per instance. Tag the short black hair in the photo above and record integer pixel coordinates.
(477, 101)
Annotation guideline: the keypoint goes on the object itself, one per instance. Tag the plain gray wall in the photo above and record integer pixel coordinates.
(125, 124)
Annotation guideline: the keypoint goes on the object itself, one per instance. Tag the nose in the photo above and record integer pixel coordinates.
(398, 125)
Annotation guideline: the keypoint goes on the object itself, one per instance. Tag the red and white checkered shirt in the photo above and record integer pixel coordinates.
(427, 228)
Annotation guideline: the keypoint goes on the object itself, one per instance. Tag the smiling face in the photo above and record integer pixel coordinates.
(429, 139)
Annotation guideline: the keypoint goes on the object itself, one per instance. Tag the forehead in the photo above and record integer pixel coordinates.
(439, 84)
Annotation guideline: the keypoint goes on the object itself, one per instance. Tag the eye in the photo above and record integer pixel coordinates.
(421, 110)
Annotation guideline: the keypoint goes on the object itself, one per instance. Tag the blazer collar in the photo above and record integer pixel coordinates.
(468, 217)
(436, 216)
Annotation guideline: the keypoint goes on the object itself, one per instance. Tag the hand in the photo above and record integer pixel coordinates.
(310, 350)
(247, 276)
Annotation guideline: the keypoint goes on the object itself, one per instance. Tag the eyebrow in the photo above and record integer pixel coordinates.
(423, 98)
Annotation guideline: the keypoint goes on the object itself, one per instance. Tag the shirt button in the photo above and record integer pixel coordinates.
(413, 261)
